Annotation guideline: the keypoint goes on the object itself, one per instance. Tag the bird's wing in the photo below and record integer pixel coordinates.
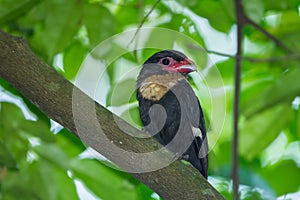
(196, 118)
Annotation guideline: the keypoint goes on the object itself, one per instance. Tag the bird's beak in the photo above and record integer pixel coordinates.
(186, 66)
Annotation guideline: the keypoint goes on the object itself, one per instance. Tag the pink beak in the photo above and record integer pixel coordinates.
(185, 66)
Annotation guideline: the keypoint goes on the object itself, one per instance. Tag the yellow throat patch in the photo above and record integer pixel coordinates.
(155, 87)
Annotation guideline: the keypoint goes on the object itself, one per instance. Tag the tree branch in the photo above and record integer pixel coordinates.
(269, 35)
(143, 21)
(53, 94)
(273, 59)
(237, 84)
(250, 59)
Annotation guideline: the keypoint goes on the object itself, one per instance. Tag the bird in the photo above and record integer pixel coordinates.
(169, 109)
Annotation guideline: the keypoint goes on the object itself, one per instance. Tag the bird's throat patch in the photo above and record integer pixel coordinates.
(155, 87)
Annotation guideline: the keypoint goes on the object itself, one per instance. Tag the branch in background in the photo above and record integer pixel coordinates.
(143, 21)
(53, 95)
(243, 20)
(2, 173)
(253, 60)
(269, 35)
(239, 11)
(220, 53)
(273, 59)
(257, 60)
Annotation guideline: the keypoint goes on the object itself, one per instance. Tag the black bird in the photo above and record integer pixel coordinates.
(169, 108)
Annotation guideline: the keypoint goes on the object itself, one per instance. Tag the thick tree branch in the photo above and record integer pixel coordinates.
(53, 94)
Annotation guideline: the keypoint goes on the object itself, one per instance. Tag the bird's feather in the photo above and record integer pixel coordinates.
(170, 110)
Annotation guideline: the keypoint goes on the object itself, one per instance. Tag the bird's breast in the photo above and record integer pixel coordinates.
(153, 91)
(155, 87)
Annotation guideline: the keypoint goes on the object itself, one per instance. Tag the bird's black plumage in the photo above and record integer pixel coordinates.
(177, 120)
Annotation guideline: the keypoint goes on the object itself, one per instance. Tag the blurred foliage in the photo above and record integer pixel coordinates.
(39, 160)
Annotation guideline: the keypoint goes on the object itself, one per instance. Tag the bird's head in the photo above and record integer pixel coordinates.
(171, 61)
(161, 72)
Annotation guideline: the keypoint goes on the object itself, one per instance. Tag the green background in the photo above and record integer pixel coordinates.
(39, 160)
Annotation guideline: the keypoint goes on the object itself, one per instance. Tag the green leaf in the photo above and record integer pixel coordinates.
(60, 26)
(284, 89)
(30, 182)
(254, 91)
(99, 23)
(102, 180)
(40, 180)
(11, 116)
(185, 25)
(254, 9)
(288, 29)
(38, 129)
(218, 12)
(144, 193)
(288, 172)
(298, 122)
(13, 119)
(121, 93)
(10, 10)
(53, 154)
(71, 144)
(132, 116)
(223, 186)
(128, 16)
(280, 4)
(249, 175)
(72, 59)
(19, 185)
(6, 157)
(64, 185)
(250, 193)
(260, 130)
(16, 140)
(38, 176)
(226, 69)
(293, 131)
(8, 88)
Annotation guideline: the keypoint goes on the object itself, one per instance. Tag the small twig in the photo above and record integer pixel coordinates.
(220, 53)
(140, 15)
(203, 49)
(269, 35)
(253, 60)
(273, 59)
(143, 21)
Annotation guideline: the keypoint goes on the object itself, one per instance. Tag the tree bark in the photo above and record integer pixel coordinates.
(54, 96)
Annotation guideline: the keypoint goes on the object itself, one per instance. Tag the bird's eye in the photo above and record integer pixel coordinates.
(165, 61)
